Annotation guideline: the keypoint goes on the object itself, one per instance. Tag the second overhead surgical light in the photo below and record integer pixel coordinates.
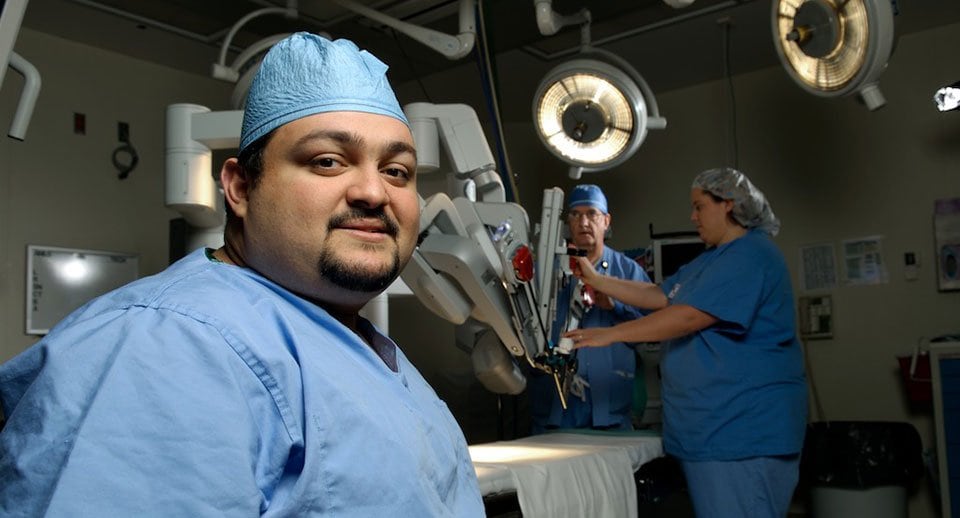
(592, 112)
(583, 115)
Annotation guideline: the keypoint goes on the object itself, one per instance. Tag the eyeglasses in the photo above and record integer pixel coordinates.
(593, 216)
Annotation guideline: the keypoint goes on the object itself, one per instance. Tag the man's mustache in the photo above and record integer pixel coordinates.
(359, 214)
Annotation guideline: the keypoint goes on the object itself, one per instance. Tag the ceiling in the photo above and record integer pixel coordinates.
(672, 47)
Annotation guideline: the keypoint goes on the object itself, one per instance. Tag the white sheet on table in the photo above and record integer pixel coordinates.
(567, 474)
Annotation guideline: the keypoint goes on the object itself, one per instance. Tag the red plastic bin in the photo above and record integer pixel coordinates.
(919, 386)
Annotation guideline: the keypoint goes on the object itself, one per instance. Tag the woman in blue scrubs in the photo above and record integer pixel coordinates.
(734, 390)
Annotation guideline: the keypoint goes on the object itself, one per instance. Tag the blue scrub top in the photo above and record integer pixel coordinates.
(610, 371)
(736, 389)
(208, 390)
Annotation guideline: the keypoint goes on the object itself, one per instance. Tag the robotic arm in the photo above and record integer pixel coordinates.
(474, 265)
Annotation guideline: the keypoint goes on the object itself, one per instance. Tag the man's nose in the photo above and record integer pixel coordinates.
(367, 187)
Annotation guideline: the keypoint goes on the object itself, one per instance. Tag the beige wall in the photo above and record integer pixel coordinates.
(61, 189)
(832, 170)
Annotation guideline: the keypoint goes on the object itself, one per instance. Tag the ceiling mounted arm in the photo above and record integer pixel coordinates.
(232, 73)
(28, 99)
(550, 21)
(453, 47)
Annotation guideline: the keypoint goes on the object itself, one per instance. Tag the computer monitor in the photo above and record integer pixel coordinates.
(672, 253)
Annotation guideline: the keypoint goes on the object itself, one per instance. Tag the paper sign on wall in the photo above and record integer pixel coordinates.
(863, 261)
(946, 227)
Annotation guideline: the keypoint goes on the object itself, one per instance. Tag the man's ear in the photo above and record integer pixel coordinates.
(236, 187)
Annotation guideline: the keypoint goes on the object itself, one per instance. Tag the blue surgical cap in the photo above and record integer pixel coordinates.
(588, 195)
(750, 206)
(305, 74)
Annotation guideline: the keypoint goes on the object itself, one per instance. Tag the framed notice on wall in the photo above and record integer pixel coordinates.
(946, 237)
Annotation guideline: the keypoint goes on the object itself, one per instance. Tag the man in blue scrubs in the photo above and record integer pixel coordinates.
(603, 388)
(242, 381)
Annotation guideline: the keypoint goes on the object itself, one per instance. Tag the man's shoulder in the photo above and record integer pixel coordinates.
(613, 253)
(186, 279)
(194, 284)
(626, 264)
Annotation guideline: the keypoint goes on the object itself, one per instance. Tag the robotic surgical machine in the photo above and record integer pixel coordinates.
(475, 265)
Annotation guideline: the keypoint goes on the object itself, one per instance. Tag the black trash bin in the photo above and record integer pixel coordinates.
(861, 468)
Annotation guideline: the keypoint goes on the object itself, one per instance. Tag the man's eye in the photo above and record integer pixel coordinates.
(323, 162)
(396, 172)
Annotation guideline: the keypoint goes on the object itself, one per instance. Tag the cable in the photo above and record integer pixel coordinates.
(124, 157)
(423, 88)
(727, 24)
(488, 80)
(125, 167)
(815, 394)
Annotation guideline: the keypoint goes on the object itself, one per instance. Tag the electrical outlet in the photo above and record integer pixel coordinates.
(816, 316)
(911, 266)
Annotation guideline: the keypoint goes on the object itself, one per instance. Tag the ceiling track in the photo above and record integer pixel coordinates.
(209, 39)
(548, 56)
(213, 39)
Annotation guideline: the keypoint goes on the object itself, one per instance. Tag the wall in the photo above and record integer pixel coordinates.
(58, 188)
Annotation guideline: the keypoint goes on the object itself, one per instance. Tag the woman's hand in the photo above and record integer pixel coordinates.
(592, 337)
(583, 269)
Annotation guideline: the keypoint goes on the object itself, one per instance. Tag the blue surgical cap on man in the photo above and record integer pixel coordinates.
(305, 74)
(588, 195)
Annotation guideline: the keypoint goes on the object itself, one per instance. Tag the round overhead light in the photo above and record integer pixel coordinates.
(591, 114)
(834, 48)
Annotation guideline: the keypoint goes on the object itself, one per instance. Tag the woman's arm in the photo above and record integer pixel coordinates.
(645, 295)
(670, 322)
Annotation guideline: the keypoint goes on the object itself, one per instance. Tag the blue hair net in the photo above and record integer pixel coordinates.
(588, 195)
(750, 206)
(305, 74)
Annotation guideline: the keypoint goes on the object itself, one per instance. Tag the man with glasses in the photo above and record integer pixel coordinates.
(602, 390)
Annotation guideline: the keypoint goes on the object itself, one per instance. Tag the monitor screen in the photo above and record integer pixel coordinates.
(60, 280)
(670, 254)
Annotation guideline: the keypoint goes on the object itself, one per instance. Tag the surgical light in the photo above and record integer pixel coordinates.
(832, 48)
(593, 112)
(585, 117)
(948, 97)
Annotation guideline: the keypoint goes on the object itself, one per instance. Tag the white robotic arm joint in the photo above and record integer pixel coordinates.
(475, 265)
